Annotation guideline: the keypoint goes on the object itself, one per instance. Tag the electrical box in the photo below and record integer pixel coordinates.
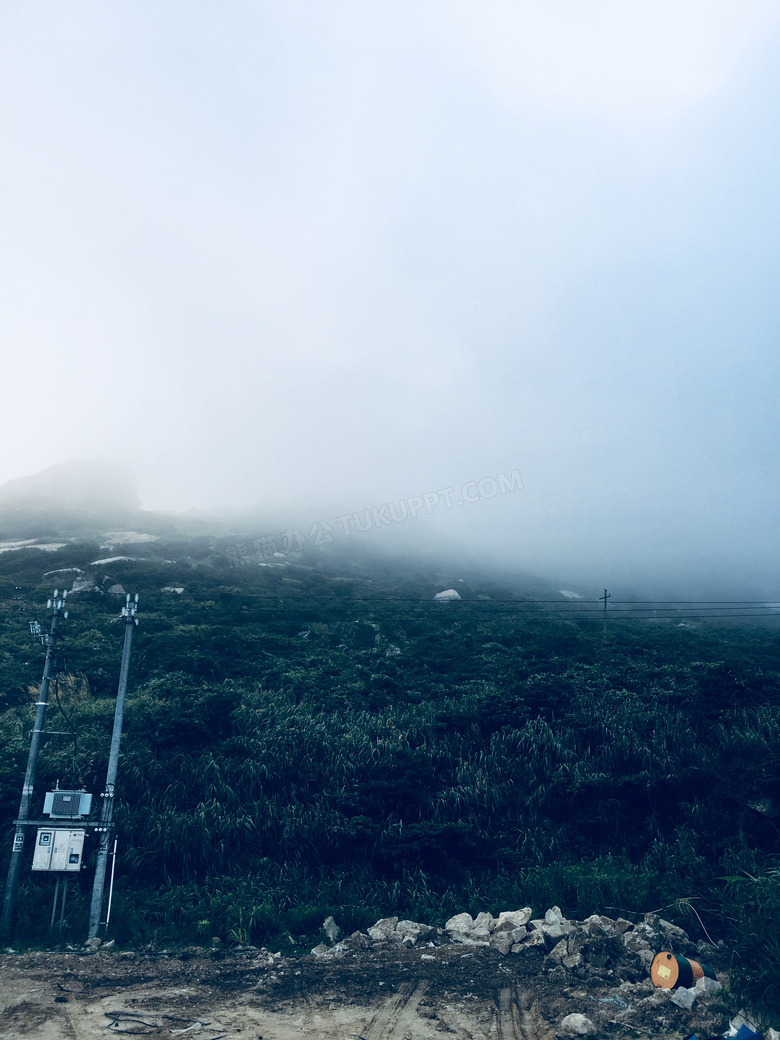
(58, 849)
(67, 805)
(43, 846)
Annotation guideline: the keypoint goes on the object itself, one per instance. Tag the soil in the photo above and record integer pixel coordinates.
(360, 990)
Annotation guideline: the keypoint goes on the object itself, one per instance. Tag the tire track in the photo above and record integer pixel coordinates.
(395, 1019)
(507, 1025)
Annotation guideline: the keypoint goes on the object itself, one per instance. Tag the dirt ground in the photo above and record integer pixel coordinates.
(363, 991)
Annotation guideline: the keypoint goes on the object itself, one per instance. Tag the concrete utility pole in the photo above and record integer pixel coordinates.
(107, 812)
(57, 605)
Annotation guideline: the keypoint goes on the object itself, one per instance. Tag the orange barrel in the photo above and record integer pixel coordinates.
(669, 971)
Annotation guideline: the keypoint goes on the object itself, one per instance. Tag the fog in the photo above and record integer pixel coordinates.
(310, 259)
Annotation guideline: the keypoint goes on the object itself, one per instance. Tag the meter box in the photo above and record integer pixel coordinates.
(58, 849)
(44, 843)
(64, 805)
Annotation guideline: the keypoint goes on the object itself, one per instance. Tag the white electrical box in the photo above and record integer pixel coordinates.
(58, 849)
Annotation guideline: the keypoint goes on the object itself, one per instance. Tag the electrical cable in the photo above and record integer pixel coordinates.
(75, 765)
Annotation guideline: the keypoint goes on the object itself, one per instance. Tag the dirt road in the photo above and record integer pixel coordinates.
(364, 991)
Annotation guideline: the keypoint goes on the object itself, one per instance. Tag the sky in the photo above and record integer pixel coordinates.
(313, 258)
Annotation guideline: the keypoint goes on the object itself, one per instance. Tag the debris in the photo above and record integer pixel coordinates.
(578, 1025)
(331, 929)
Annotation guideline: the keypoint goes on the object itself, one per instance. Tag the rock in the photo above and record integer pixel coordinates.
(329, 953)
(742, 1020)
(331, 929)
(116, 590)
(597, 925)
(684, 998)
(635, 943)
(480, 935)
(535, 938)
(706, 985)
(359, 939)
(408, 929)
(93, 944)
(622, 925)
(502, 941)
(518, 934)
(508, 920)
(483, 920)
(459, 925)
(673, 932)
(177, 589)
(383, 928)
(559, 951)
(427, 957)
(578, 1025)
(109, 945)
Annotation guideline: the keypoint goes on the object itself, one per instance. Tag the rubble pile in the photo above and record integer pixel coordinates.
(594, 974)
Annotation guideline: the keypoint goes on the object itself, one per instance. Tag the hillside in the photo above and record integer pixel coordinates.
(312, 734)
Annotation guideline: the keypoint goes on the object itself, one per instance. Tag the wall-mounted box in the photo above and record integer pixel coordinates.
(58, 849)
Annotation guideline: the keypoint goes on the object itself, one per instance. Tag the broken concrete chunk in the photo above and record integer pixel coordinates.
(383, 928)
(684, 998)
(578, 1025)
(331, 929)
(508, 920)
(501, 941)
(703, 985)
(559, 951)
(673, 931)
(483, 920)
(460, 924)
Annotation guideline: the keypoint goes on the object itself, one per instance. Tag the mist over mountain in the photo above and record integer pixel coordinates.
(87, 484)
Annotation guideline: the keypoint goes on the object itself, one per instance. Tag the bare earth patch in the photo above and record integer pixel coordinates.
(363, 991)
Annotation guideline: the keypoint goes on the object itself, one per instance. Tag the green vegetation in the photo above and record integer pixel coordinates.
(299, 743)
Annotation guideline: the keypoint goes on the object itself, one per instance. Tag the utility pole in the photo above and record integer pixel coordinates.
(107, 811)
(57, 606)
(605, 597)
